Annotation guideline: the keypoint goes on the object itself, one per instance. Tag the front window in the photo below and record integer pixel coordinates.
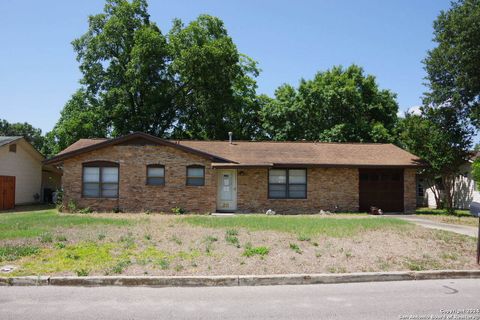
(195, 176)
(155, 175)
(420, 191)
(100, 180)
(287, 184)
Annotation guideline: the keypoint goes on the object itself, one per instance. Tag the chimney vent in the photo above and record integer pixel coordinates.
(230, 136)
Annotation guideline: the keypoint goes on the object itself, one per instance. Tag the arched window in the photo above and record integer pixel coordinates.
(100, 179)
(195, 175)
(155, 174)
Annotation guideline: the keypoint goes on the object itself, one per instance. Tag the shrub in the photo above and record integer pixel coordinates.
(86, 210)
(178, 210)
(101, 236)
(72, 206)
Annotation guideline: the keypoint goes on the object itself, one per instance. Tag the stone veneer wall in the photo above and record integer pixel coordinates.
(326, 188)
(134, 194)
(409, 191)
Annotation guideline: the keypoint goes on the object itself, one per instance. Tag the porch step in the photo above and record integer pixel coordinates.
(222, 214)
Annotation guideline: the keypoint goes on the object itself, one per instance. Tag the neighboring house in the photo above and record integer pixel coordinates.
(23, 178)
(465, 190)
(139, 172)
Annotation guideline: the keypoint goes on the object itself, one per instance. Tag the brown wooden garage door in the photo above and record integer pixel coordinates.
(381, 188)
(7, 192)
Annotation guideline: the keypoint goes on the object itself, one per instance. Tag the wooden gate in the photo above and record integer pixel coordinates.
(7, 192)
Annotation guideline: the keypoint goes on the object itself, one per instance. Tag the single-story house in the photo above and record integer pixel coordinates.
(140, 172)
(23, 177)
(466, 189)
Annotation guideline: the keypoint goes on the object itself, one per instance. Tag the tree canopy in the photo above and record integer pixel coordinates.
(453, 66)
(192, 83)
(26, 130)
(340, 104)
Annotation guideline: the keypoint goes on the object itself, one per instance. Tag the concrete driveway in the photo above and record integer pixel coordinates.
(427, 223)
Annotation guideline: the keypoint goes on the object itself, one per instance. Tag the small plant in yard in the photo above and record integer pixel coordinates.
(148, 237)
(178, 267)
(46, 237)
(348, 254)
(251, 251)
(178, 210)
(60, 245)
(120, 266)
(303, 237)
(164, 264)
(71, 255)
(61, 238)
(315, 244)
(295, 248)
(101, 236)
(231, 237)
(86, 210)
(211, 238)
(128, 240)
(72, 206)
(176, 239)
(10, 253)
(82, 272)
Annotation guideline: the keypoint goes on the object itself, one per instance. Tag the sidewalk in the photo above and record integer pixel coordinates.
(427, 223)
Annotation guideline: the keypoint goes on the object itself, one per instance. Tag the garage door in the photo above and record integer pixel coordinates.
(381, 188)
(7, 192)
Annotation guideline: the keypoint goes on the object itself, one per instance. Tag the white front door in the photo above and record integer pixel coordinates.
(227, 190)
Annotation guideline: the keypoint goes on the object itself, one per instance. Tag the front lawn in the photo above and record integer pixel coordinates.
(48, 243)
(339, 226)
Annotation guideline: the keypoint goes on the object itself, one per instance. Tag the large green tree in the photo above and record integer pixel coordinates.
(192, 83)
(453, 66)
(26, 130)
(216, 90)
(442, 138)
(126, 85)
(340, 104)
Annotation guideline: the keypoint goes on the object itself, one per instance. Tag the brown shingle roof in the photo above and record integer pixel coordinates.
(82, 143)
(307, 153)
(265, 153)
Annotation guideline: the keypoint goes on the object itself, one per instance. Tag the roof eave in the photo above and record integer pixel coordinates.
(59, 158)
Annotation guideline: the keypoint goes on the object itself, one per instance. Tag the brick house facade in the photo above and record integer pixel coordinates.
(108, 175)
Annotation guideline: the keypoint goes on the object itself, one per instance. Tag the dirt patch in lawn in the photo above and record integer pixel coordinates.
(167, 245)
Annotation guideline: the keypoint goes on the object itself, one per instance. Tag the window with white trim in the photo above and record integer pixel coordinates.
(287, 184)
(100, 180)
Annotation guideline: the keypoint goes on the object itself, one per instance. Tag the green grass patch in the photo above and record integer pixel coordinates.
(443, 212)
(36, 223)
(11, 253)
(306, 226)
(252, 251)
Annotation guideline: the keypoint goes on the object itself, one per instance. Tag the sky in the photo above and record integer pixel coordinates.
(290, 40)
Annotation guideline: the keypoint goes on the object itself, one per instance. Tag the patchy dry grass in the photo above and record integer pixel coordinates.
(136, 244)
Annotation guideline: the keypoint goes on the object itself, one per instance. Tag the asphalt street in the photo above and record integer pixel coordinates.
(436, 299)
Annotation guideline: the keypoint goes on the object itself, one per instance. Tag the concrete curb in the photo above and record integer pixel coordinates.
(244, 280)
